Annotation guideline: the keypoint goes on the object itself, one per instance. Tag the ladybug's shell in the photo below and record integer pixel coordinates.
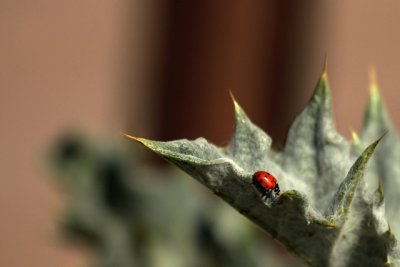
(265, 179)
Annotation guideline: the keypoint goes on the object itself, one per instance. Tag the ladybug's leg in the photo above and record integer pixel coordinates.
(263, 196)
(267, 195)
(264, 193)
(276, 189)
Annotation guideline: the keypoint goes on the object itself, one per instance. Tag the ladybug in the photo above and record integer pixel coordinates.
(265, 183)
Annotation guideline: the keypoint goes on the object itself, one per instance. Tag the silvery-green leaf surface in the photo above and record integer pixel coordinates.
(315, 153)
(316, 174)
(365, 238)
(385, 163)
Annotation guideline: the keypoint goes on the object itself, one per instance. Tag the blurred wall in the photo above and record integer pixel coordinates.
(363, 33)
(163, 69)
(61, 66)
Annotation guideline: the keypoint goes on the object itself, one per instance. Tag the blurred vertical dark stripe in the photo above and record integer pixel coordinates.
(298, 44)
(260, 50)
(194, 87)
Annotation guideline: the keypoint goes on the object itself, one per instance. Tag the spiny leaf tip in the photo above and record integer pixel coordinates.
(137, 139)
(239, 112)
(324, 74)
(373, 82)
(355, 137)
(233, 100)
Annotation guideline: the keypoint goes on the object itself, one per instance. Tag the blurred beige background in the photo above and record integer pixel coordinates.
(111, 66)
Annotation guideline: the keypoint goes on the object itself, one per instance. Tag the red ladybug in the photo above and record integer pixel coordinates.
(265, 183)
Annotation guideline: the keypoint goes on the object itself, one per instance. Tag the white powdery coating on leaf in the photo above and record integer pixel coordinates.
(314, 163)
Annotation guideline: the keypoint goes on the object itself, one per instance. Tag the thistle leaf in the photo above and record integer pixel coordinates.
(385, 161)
(310, 169)
(288, 218)
(345, 194)
(253, 154)
(314, 151)
(365, 238)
